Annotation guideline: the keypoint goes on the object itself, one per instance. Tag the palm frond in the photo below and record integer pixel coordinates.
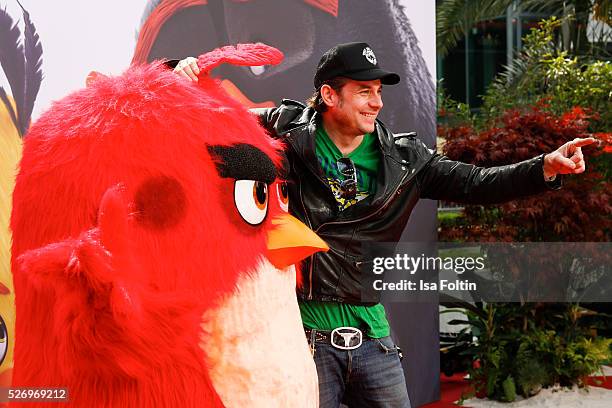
(559, 8)
(554, 7)
(33, 72)
(12, 59)
(455, 17)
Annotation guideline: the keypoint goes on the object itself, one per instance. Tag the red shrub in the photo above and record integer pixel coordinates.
(580, 211)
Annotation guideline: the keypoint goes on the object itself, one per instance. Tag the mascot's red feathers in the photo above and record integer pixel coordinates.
(147, 217)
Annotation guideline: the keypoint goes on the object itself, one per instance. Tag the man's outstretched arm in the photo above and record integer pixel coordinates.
(445, 179)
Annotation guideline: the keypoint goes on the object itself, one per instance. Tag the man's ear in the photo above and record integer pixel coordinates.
(329, 96)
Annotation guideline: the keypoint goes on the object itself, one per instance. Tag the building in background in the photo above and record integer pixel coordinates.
(468, 68)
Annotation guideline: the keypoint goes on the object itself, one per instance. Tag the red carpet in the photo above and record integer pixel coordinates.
(451, 389)
(603, 382)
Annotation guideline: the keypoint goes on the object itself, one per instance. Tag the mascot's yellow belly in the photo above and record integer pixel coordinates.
(10, 153)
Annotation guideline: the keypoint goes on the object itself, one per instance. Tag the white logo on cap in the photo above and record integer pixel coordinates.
(369, 55)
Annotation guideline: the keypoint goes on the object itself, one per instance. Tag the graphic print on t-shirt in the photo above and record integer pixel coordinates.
(366, 158)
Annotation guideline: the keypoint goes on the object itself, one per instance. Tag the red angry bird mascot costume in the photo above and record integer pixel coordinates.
(152, 248)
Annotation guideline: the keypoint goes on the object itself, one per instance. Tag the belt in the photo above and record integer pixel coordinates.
(343, 338)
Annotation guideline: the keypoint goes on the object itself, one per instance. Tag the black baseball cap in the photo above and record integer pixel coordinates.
(354, 60)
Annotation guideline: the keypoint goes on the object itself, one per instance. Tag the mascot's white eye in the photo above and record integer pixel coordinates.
(251, 199)
(283, 196)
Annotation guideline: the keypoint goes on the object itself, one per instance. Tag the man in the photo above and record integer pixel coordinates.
(353, 181)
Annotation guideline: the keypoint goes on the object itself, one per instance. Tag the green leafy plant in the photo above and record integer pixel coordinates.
(522, 348)
(544, 99)
(450, 112)
(545, 75)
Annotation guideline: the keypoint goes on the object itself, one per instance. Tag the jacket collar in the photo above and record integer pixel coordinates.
(385, 138)
(303, 133)
(302, 138)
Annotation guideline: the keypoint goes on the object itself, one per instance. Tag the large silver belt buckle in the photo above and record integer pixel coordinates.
(346, 338)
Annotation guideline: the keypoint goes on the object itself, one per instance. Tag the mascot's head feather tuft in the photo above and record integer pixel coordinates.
(241, 54)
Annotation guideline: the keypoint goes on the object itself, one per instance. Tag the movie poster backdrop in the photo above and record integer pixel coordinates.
(76, 38)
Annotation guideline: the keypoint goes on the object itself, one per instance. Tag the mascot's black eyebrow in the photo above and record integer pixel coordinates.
(243, 162)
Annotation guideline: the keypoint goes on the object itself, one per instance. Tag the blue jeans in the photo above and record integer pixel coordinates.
(369, 376)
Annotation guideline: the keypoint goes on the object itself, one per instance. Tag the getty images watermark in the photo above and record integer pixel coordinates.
(411, 264)
(492, 272)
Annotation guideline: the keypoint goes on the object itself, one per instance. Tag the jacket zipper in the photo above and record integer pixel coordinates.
(382, 207)
(310, 271)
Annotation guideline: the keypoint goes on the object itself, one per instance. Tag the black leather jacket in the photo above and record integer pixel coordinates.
(409, 171)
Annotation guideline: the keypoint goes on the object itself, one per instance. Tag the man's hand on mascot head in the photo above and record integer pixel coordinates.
(188, 68)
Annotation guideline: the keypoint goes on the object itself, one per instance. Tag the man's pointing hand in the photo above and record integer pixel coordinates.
(567, 159)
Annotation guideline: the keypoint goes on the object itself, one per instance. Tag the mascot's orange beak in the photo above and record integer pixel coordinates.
(290, 241)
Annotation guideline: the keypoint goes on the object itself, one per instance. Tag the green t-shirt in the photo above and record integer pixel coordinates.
(366, 158)
(330, 315)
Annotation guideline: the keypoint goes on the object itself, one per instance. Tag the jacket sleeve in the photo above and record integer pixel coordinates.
(445, 179)
(280, 120)
(268, 118)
